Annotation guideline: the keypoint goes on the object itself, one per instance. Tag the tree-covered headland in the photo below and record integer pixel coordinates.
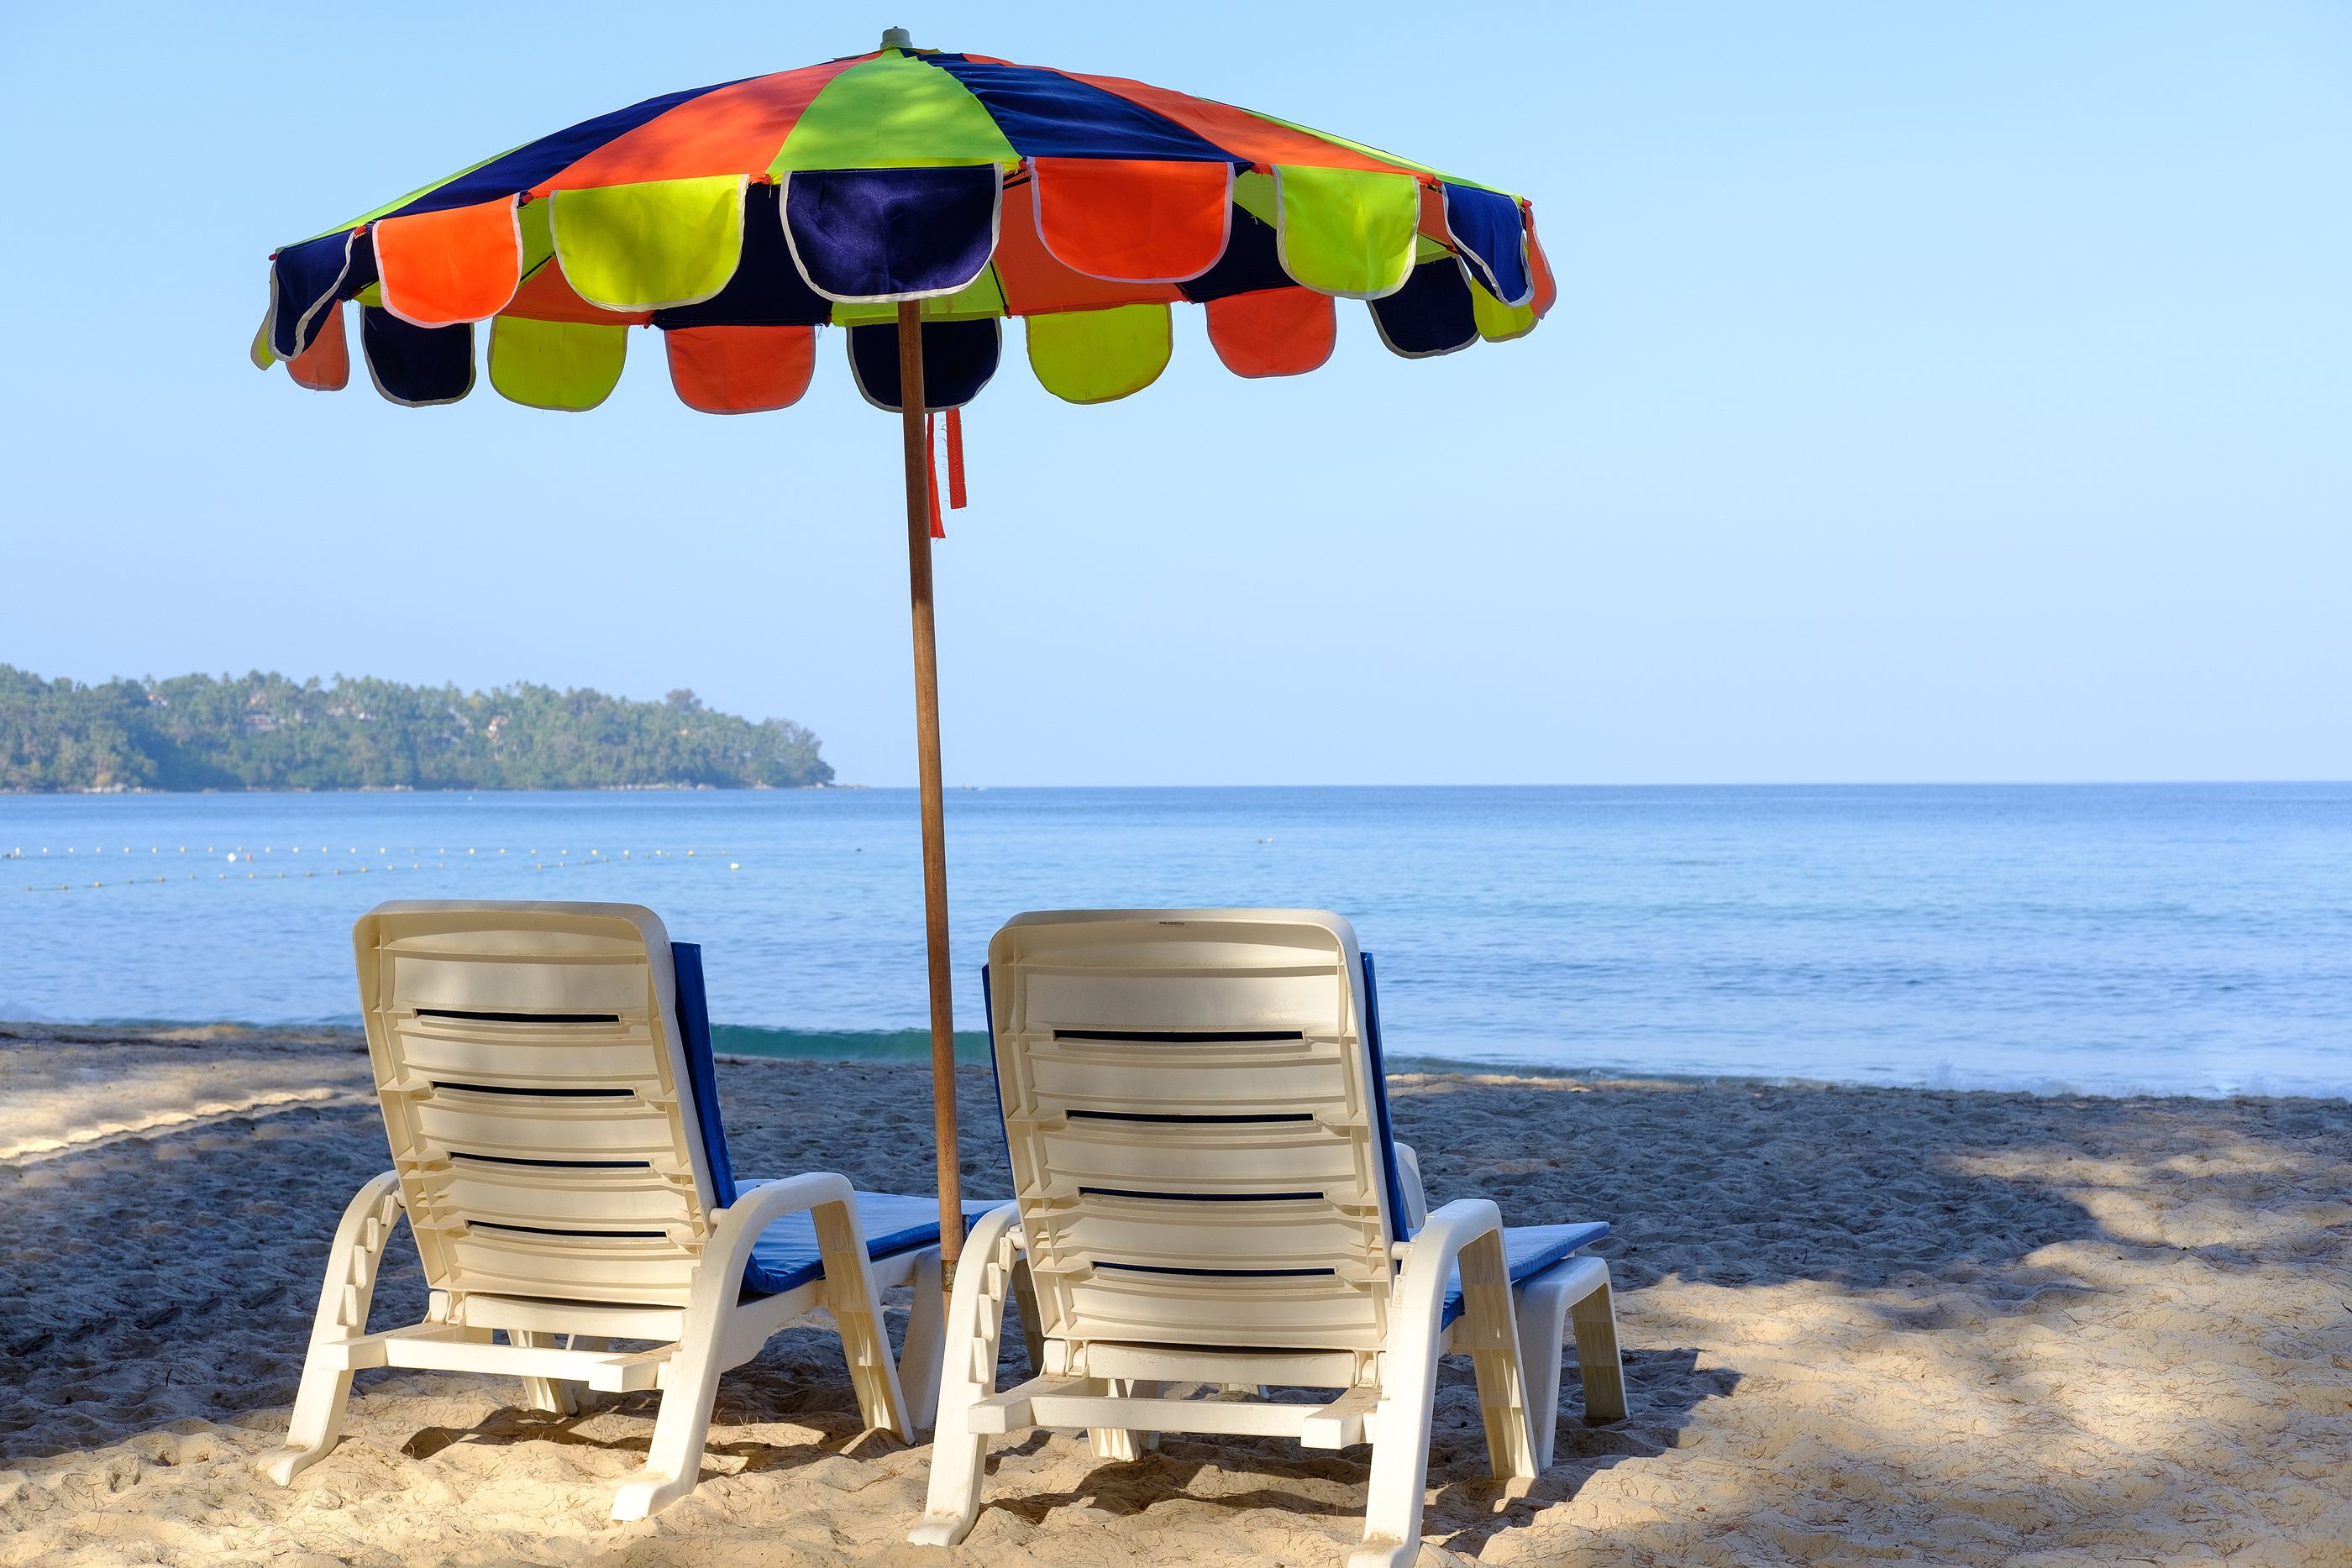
(266, 732)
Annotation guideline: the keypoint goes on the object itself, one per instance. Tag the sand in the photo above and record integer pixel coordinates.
(1863, 1325)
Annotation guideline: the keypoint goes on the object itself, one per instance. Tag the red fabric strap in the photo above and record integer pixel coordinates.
(955, 459)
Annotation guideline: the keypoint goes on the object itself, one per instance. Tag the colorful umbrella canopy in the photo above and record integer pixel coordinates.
(738, 218)
(916, 198)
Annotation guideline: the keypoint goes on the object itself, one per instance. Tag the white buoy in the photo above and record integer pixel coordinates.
(734, 865)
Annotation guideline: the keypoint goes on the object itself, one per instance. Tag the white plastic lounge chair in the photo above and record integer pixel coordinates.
(1209, 1193)
(545, 1075)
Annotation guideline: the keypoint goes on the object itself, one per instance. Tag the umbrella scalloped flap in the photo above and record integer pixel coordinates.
(746, 213)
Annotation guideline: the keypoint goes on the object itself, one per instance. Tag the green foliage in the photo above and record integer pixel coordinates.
(266, 732)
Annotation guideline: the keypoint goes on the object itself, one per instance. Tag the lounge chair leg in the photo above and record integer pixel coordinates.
(553, 1394)
(1467, 1234)
(1490, 1334)
(1573, 1289)
(673, 1463)
(975, 1326)
(344, 1301)
(682, 1426)
(926, 1342)
(1598, 1361)
(1400, 1462)
(1543, 1340)
(1400, 1448)
(856, 1303)
(1119, 1442)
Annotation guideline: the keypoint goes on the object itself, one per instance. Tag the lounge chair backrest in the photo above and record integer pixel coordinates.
(1197, 1126)
(538, 1096)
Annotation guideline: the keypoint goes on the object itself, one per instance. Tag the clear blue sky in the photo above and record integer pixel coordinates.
(1937, 391)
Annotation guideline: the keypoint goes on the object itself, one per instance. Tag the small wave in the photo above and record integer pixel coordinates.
(841, 1045)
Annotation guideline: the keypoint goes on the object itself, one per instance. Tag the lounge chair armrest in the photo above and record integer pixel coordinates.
(848, 1291)
(758, 1207)
(1435, 1251)
(1467, 1234)
(825, 1195)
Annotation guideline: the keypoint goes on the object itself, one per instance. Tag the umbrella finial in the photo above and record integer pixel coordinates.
(896, 38)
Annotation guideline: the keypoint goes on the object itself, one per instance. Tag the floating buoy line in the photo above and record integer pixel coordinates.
(264, 864)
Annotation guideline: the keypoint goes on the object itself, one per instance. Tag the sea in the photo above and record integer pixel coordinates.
(2064, 939)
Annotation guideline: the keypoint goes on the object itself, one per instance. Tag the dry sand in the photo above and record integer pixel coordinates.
(1891, 1326)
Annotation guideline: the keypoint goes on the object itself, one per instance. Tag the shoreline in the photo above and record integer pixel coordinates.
(1908, 1326)
(912, 1046)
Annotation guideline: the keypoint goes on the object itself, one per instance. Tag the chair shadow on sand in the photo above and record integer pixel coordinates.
(1468, 1506)
(836, 1432)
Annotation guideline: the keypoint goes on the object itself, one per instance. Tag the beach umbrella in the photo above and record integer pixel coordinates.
(916, 198)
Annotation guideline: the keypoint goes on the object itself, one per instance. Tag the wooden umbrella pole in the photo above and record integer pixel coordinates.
(927, 756)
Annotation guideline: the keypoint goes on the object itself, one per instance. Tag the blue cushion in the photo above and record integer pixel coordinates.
(1391, 1176)
(1529, 1250)
(785, 1257)
(701, 1072)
